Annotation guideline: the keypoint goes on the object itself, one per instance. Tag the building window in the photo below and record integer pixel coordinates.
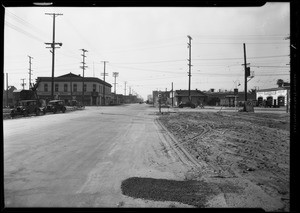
(94, 87)
(46, 87)
(84, 87)
(56, 87)
(75, 88)
(65, 87)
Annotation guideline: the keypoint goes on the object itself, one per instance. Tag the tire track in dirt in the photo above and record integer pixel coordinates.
(246, 146)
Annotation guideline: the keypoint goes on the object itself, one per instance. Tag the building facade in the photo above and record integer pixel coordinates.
(197, 97)
(229, 99)
(273, 97)
(70, 87)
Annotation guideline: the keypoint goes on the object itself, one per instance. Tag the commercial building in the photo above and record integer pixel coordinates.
(273, 97)
(229, 98)
(69, 87)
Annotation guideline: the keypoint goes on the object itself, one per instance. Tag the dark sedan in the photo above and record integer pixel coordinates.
(188, 104)
(56, 106)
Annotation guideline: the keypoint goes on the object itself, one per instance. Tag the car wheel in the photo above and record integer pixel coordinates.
(63, 110)
(54, 110)
(38, 112)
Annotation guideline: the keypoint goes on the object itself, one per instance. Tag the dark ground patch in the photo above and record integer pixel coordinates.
(189, 192)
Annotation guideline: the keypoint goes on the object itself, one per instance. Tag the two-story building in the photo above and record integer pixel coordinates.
(75, 87)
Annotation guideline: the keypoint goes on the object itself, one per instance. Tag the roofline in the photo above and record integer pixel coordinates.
(74, 79)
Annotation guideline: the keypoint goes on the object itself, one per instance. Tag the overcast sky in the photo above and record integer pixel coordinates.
(148, 46)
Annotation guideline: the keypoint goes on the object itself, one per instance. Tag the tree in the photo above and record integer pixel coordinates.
(280, 82)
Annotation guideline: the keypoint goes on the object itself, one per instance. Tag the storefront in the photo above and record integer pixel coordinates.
(273, 97)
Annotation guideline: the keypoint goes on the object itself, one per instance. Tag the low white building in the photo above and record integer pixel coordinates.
(273, 96)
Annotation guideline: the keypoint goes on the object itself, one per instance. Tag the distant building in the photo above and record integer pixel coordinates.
(150, 99)
(273, 96)
(165, 97)
(229, 99)
(8, 98)
(69, 87)
(197, 97)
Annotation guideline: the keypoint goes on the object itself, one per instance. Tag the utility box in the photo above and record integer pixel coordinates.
(248, 107)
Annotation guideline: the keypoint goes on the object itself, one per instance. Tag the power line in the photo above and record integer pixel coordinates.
(25, 23)
(148, 62)
(274, 56)
(23, 32)
(142, 69)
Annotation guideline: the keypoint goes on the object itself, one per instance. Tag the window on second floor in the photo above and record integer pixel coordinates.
(56, 87)
(74, 87)
(94, 87)
(65, 87)
(46, 87)
(84, 87)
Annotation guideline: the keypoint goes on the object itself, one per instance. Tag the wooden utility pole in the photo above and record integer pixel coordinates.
(125, 88)
(172, 96)
(71, 94)
(83, 69)
(245, 67)
(23, 84)
(104, 74)
(7, 89)
(52, 46)
(30, 70)
(190, 64)
(115, 75)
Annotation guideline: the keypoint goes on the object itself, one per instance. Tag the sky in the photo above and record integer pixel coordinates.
(148, 46)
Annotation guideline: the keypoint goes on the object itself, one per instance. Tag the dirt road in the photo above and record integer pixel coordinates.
(247, 150)
(80, 159)
(124, 156)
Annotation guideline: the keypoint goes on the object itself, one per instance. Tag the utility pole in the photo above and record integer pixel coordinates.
(7, 89)
(104, 74)
(23, 84)
(125, 88)
(115, 75)
(30, 70)
(93, 70)
(83, 68)
(172, 96)
(71, 87)
(245, 67)
(190, 65)
(52, 45)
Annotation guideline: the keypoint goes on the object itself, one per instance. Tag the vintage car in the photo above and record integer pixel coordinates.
(26, 107)
(56, 106)
(187, 104)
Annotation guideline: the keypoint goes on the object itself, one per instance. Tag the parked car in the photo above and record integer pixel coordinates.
(164, 106)
(187, 104)
(26, 107)
(56, 106)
